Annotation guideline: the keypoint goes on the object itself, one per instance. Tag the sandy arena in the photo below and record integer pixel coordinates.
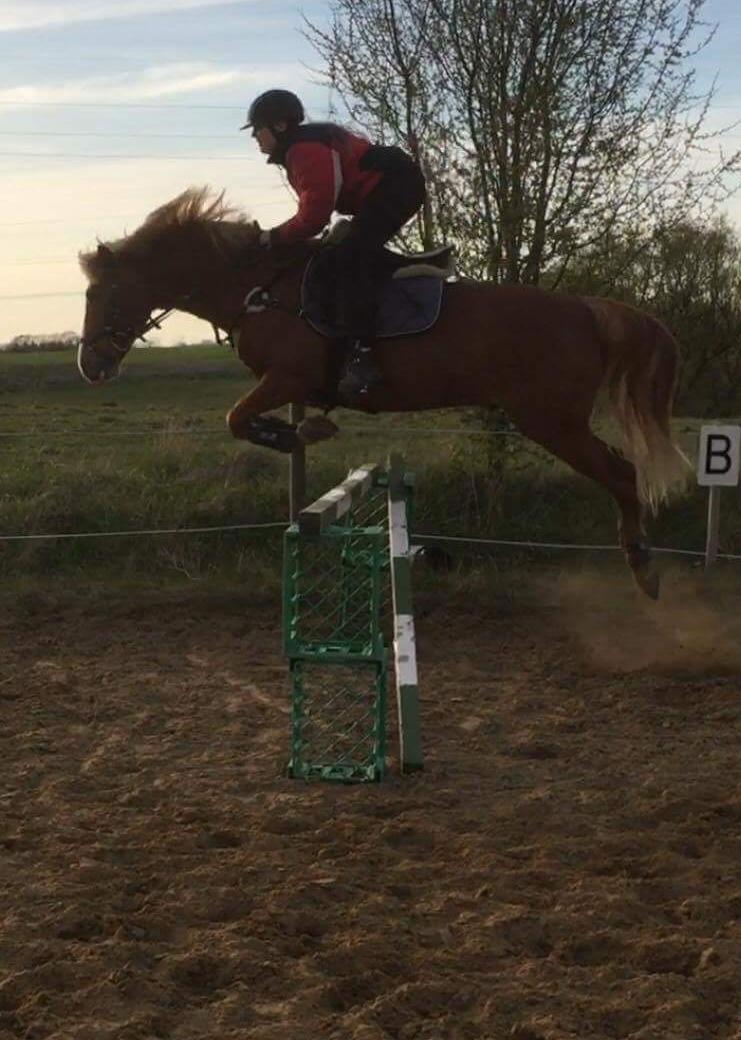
(568, 865)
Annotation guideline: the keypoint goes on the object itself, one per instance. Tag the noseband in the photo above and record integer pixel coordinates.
(129, 334)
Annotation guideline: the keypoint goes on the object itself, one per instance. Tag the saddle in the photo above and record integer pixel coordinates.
(409, 290)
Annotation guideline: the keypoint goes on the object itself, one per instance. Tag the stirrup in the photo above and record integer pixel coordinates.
(361, 373)
(352, 386)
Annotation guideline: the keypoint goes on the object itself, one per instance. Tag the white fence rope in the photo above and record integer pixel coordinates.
(133, 534)
(222, 431)
(276, 524)
(154, 431)
(284, 523)
(562, 545)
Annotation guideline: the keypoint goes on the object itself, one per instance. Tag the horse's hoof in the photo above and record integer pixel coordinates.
(640, 560)
(647, 579)
(316, 428)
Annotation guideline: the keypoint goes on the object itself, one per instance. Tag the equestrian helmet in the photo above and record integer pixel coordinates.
(274, 106)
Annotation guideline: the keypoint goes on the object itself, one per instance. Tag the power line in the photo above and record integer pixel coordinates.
(190, 107)
(61, 220)
(123, 155)
(41, 260)
(124, 216)
(44, 295)
(27, 56)
(189, 137)
(118, 104)
(41, 296)
(97, 133)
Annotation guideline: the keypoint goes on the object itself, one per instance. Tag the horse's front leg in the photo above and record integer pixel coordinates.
(247, 422)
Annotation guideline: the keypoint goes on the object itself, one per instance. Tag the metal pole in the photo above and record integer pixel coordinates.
(297, 468)
(711, 546)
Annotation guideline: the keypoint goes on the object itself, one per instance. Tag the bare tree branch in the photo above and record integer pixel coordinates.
(539, 123)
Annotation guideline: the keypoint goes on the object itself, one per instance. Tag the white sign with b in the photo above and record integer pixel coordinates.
(719, 460)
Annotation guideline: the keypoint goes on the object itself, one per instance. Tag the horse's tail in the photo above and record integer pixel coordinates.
(640, 380)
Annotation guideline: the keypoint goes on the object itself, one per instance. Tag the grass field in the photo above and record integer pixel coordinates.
(151, 451)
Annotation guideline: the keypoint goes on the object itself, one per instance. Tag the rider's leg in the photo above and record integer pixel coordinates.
(357, 291)
(390, 205)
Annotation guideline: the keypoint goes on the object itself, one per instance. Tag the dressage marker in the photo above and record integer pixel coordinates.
(718, 465)
(346, 575)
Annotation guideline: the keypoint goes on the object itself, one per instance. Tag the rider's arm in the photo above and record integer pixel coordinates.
(316, 175)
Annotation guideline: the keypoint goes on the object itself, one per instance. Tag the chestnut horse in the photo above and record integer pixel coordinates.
(542, 356)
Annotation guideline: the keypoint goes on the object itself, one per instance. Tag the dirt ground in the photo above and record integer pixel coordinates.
(568, 865)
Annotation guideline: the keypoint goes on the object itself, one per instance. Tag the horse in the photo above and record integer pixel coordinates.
(546, 358)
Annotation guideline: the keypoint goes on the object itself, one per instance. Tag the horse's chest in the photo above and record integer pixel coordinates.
(252, 345)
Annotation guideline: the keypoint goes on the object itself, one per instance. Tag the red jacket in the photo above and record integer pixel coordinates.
(323, 168)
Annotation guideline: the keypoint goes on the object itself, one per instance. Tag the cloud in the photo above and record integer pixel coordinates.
(18, 15)
(170, 80)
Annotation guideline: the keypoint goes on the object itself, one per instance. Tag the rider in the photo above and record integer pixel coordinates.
(331, 169)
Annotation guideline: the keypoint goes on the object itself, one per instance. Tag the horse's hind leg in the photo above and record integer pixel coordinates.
(575, 444)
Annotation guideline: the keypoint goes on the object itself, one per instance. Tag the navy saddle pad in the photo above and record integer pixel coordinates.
(405, 305)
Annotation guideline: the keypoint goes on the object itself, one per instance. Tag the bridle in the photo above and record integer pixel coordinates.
(123, 337)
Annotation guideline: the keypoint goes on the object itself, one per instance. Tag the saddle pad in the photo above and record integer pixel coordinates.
(405, 305)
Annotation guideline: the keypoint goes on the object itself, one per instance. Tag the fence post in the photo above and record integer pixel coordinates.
(297, 467)
(713, 532)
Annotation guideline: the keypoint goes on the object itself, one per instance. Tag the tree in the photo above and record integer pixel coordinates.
(539, 123)
(689, 275)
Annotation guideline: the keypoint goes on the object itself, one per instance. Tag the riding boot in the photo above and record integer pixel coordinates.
(361, 371)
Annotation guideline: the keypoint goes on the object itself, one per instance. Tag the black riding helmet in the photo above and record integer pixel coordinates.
(274, 106)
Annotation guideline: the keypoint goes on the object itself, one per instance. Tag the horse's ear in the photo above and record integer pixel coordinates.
(106, 255)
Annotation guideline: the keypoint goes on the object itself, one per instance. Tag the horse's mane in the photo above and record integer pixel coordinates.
(228, 227)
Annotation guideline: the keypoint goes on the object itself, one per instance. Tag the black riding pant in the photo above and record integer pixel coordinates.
(395, 199)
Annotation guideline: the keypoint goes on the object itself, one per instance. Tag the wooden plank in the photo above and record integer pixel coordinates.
(328, 509)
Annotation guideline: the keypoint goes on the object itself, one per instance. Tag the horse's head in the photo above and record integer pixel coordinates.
(117, 310)
(189, 255)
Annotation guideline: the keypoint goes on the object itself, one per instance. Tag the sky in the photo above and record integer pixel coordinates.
(108, 108)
